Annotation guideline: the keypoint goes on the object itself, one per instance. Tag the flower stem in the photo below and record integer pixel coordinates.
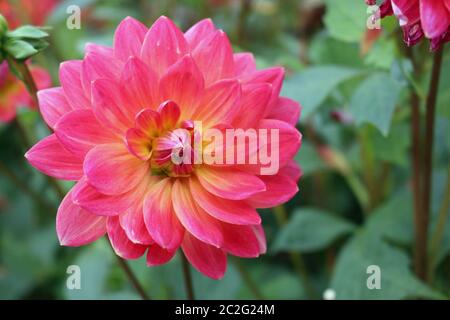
(187, 278)
(26, 77)
(246, 277)
(5, 171)
(438, 234)
(422, 221)
(28, 80)
(416, 165)
(131, 276)
(295, 256)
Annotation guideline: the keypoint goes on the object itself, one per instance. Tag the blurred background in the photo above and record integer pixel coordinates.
(354, 208)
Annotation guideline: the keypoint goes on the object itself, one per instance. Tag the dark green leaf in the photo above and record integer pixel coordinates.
(27, 32)
(19, 49)
(397, 281)
(374, 101)
(310, 230)
(311, 86)
(346, 19)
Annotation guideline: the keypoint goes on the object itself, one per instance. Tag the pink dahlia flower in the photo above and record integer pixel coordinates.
(13, 93)
(118, 114)
(420, 17)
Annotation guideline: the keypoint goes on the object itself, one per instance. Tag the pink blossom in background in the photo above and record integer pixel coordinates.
(418, 18)
(33, 12)
(13, 93)
(116, 115)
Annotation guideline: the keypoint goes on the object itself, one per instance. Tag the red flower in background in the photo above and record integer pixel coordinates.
(27, 11)
(13, 93)
(418, 18)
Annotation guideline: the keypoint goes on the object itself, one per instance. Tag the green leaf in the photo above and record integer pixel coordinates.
(326, 50)
(374, 101)
(308, 159)
(311, 230)
(394, 147)
(351, 273)
(312, 86)
(19, 49)
(383, 53)
(27, 32)
(346, 19)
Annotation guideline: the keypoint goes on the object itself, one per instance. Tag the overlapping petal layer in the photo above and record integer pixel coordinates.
(120, 117)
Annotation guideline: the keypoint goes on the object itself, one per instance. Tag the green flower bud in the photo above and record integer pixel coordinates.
(3, 26)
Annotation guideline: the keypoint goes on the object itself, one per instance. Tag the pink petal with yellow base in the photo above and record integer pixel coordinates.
(76, 226)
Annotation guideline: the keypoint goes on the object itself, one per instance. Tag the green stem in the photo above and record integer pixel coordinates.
(28, 80)
(132, 277)
(295, 256)
(9, 174)
(368, 160)
(187, 278)
(421, 256)
(245, 10)
(246, 277)
(438, 234)
(358, 189)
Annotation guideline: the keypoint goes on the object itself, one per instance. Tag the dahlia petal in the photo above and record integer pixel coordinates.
(261, 236)
(79, 131)
(434, 17)
(53, 105)
(120, 242)
(230, 184)
(157, 256)
(97, 65)
(149, 122)
(170, 114)
(407, 11)
(128, 38)
(292, 170)
(132, 221)
(160, 218)
(286, 110)
(163, 45)
(254, 104)
(244, 63)
(50, 157)
(193, 218)
(214, 57)
(280, 189)
(289, 139)
(99, 49)
(235, 212)
(76, 226)
(112, 170)
(207, 259)
(198, 32)
(140, 85)
(240, 241)
(70, 78)
(220, 103)
(183, 74)
(109, 106)
(88, 198)
(138, 143)
(273, 76)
